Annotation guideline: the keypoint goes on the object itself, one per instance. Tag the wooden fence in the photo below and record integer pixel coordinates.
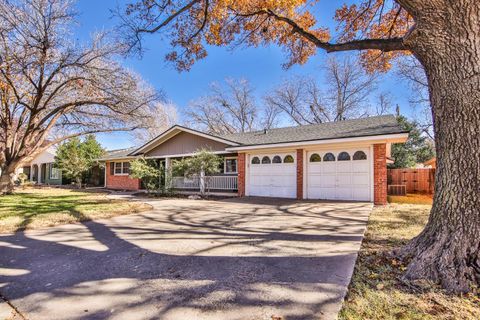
(415, 180)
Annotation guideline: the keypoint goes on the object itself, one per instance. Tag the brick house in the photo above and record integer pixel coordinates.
(343, 160)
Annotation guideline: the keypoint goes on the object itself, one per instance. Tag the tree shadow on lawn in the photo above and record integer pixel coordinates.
(56, 277)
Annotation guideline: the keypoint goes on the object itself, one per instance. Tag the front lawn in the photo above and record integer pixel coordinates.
(41, 207)
(412, 198)
(376, 290)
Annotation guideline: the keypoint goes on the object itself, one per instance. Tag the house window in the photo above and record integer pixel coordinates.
(277, 159)
(255, 160)
(343, 156)
(288, 159)
(359, 155)
(126, 167)
(54, 172)
(230, 165)
(266, 160)
(121, 168)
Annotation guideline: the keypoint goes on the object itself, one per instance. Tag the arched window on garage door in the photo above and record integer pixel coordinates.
(359, 155)
(329, 157)
(288, 159)
(315, 158)
(255, 160)
(343, 156)
(266, 160)
(277, 159)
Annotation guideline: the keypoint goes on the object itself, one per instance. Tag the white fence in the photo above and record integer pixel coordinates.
(228, 183)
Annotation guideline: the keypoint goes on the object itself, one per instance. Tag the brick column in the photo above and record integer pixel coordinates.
(299, 174)
(241, 174)
(380, 174)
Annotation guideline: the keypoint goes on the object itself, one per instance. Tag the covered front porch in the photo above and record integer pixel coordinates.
(42, 173)
(223, 182)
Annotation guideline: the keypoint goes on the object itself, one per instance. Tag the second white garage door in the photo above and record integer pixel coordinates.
(272, 175)
(339, 175)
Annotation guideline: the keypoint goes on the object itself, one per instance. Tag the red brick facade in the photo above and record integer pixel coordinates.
(299, 174)
(120, 182)
(241, 174)
(380, 174)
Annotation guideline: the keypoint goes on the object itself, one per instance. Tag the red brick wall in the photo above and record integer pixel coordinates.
(241, 174)
(299, 174)
(121, 182)
(380, 174)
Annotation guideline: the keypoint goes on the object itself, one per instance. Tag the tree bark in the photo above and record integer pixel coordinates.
(7, 179)
(446, 42)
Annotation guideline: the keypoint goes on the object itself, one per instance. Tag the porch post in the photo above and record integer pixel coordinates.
(167, 173)
(202, 182)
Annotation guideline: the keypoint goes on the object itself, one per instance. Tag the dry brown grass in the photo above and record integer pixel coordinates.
(35, 208)
(377, 291)
(412, 198)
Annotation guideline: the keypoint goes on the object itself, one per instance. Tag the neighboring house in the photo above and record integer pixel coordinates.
(432, 163)
(343, 160)
(41, 170)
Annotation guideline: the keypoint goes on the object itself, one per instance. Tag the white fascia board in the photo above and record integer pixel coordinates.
(152, 144)
(389, 138)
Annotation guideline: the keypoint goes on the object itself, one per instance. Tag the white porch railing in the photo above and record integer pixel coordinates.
(228, 183)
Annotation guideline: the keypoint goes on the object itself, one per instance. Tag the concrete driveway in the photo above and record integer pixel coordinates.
(230, 259)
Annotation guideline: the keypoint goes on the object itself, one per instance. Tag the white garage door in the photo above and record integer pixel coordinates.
(272, 175)
(339, 175)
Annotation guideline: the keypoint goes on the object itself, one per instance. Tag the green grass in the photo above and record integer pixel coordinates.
(42, 207)
(377, 291)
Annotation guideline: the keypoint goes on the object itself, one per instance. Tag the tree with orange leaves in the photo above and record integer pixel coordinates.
(443, 35)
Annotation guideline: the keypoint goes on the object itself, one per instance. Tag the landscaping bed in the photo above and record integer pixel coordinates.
(377, 290)
(33, 208)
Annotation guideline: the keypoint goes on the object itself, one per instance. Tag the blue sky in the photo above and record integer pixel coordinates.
(260, 66)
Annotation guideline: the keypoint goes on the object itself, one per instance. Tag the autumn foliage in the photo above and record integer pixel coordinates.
(291, 25)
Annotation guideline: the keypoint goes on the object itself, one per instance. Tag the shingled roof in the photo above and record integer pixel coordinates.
(117, 154)
(364, 127)
(371, 126)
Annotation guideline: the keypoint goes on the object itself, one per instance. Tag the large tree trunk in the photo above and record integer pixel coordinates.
(447, 42)
(7, 180)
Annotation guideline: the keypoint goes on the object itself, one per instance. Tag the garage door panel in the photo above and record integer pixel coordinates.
(361, 193)
(315, 169)
(274, 179)
(361, 166)
(314, 180)
(328, 193)
(360, 180)
(329, 167)
(327, 180)
(344, 179)
(344, 166)
(340, 180)
(343, 193)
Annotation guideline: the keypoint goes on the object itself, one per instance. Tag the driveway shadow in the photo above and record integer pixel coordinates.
(186, 261)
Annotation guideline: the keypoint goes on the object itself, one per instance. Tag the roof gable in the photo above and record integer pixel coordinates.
(173, 131)
(185, 143)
